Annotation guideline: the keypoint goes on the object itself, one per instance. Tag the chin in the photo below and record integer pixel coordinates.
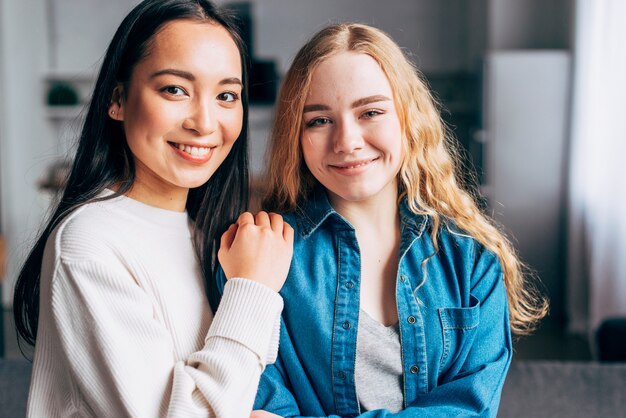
(192, 183)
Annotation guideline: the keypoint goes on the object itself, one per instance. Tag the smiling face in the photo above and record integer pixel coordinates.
(351, 136)
(182, 110)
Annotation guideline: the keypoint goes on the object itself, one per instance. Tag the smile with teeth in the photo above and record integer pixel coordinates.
(195, 151)
(355, 164)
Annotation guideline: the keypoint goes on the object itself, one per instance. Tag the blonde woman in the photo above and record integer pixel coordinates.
(401, 295)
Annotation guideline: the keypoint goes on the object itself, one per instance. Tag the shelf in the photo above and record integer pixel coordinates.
(69, 76)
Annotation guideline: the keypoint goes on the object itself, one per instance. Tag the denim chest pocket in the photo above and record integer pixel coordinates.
(459, 327)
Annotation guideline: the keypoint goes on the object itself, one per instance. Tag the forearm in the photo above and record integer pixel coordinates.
(123, 361)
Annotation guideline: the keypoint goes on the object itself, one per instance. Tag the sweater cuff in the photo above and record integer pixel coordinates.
(249, 313)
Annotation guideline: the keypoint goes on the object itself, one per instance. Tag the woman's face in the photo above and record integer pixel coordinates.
(182, 111)
(351, 136)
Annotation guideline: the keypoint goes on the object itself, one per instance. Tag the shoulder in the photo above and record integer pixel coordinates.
(90, 232)
(459, 244)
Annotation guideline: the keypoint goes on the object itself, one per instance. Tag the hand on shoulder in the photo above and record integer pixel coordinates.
(263, 414)
(259, 248)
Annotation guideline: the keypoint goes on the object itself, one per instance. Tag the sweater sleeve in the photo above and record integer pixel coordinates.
(120, 357)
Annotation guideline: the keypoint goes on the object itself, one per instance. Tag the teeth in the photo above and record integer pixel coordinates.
(195, 151)
(355, 165)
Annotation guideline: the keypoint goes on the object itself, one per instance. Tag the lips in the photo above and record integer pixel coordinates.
(347, 165)
(193, 153)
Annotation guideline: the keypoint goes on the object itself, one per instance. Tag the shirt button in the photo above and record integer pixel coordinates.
(345, 325)
(402, 278)
(349, 285)
(414, 369)
(341, 375)
(411, 319)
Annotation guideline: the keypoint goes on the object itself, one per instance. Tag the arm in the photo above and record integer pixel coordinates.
(101, 331)
(258, 248)
(122, 361)
(275, 394)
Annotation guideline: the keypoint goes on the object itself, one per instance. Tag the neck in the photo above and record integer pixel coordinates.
(380, 213)
(174, 199)
(151, 189)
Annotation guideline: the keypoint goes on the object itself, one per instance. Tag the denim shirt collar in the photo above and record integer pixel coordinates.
(315, 210)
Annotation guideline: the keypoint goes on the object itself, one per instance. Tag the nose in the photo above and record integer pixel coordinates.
(201, 119)
(348, 137)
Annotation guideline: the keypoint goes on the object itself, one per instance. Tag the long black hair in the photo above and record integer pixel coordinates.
(103, 158)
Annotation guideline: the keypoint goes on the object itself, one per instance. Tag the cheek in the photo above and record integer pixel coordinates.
(233, 124)
(145, 118)
(393, 139)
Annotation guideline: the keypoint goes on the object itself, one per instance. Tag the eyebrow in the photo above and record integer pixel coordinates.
(357, 103)
(189, 76)
(370, 99)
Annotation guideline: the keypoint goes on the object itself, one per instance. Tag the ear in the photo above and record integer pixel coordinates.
(116, 107)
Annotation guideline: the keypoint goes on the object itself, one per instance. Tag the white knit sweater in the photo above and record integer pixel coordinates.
(125, 328)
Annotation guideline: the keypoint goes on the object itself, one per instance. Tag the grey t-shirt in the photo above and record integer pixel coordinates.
(378, 368)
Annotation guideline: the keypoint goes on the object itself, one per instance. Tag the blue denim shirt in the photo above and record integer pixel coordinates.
(453, 320)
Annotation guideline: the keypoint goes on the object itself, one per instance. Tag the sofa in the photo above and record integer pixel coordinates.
(554, 389)
(14, 381)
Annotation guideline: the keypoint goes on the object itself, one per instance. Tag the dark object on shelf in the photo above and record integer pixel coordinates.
(611, 340)
(459, 94)
(263, 77)
(263, 82)
(62, 94)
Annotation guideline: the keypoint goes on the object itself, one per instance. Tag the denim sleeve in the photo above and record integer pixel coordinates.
(220, 279)
(274, 393)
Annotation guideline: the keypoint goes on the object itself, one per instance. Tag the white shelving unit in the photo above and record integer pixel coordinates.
(67, 120)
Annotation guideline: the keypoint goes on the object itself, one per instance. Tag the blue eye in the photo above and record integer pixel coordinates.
(371, 113)
(228, 96)
(174, 90)
(317, 122)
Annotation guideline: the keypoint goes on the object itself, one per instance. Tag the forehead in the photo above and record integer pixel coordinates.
(194, 45)
(348, 74)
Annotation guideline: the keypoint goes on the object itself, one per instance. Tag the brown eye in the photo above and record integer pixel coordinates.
(174, 90)
(228, 96)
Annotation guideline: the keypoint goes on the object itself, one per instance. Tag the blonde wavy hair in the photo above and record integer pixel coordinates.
(428, 173)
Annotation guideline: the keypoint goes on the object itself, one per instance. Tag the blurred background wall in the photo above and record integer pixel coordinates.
(501, 68)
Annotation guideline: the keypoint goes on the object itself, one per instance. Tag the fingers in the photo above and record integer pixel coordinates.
(263, 414)
(228, 236)
(262, 219)
(259, 248)
(288, 233)
(245, 218)
(270, 220)
(277, 222)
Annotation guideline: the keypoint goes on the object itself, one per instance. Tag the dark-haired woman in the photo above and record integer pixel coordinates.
(113, 295)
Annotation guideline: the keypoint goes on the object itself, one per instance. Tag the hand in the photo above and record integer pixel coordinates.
(263, 414)
(258, 248)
